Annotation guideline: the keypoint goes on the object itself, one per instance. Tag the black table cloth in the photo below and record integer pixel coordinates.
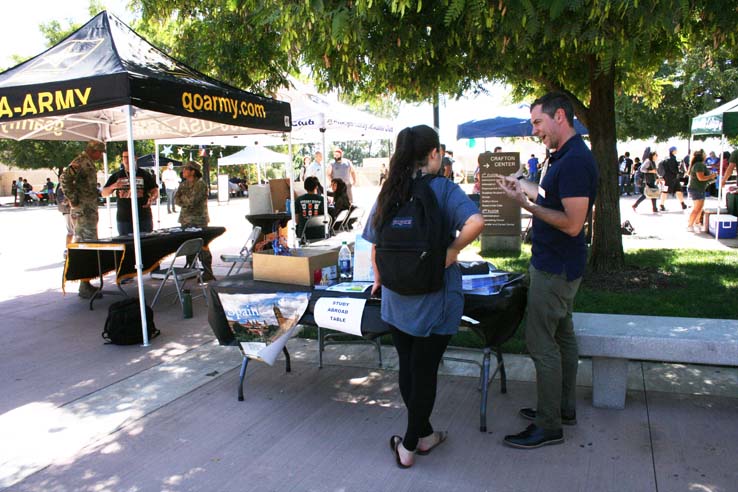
(82, 264)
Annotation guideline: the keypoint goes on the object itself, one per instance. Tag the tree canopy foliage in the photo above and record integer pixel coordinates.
(415, 49)
(701, 78)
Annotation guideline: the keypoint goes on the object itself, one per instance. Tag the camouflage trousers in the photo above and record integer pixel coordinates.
(85, 220)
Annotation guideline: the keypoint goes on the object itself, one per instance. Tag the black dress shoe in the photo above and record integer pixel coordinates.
(530, 414)
(534, 437)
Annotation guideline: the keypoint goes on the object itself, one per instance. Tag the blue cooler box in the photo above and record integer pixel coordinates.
(723, 226)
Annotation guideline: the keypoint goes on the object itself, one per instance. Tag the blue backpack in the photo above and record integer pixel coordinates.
(411, 243)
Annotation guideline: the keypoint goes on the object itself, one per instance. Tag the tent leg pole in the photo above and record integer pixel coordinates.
(137, 231)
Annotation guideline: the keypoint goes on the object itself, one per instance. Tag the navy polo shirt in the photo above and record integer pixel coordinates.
(572, 172)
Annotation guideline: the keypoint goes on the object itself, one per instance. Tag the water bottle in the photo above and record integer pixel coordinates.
(344, 263)
(186, 304)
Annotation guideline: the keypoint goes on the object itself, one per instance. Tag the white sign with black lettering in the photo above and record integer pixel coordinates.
(340, 313)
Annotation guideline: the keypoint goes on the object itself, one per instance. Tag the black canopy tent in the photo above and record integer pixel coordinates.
(106, 83)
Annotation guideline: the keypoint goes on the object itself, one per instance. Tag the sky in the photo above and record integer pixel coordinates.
(21, 36)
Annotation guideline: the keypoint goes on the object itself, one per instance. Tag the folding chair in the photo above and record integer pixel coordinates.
(314, 229)
(339, 221)
(189, 249)
(245, 255)
(354, 217)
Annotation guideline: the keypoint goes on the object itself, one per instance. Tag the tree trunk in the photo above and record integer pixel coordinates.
(607, 243)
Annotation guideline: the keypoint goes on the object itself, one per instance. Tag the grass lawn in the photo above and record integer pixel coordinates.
(666, 282)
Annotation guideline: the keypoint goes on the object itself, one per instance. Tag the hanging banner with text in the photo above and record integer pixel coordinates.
(501, 215)
(340, 313)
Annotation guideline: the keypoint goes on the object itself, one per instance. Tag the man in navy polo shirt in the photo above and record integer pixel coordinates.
(559, 206)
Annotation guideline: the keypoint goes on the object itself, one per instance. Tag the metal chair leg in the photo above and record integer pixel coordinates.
(242, 374)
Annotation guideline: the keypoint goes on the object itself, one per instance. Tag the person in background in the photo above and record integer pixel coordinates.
(447, 164)
(340, 197)
(699, 178)
(14, 192)
(20, 193)
(560, 206)
(637, 177)
(422, 325)
(303, 169)
(50, 197)
(624, 174)
(533, 168)
(79, 185)
(308, 205)
(170, 178)
(648, 171)
(147, 193)
(497, 149)
(382, 173)
(316, 169)
(192, 198)
(669, 171)
(343, 169)
(730, 167)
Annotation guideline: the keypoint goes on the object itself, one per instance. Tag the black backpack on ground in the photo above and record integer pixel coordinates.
(123, 325)
(411, 243)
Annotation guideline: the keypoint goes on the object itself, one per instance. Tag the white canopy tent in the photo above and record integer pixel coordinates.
(314, 118)
(253, 155)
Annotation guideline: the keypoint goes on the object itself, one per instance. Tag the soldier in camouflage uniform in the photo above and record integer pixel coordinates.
(192, 198)
(79, 183)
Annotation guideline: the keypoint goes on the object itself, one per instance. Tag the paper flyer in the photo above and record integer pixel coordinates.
(340, 313)
(263, 323)
(351, 287)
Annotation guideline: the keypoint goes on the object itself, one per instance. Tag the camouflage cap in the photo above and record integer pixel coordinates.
(97, 146)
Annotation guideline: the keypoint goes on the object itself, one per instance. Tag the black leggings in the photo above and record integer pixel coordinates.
(643, 197)
(419, 359)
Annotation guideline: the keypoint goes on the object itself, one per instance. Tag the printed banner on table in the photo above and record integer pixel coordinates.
(340, 313)
(263, 323)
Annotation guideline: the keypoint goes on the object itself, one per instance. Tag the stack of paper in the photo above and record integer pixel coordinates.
(472, 282)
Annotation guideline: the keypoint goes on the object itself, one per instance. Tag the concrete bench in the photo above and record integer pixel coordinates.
(612, 339)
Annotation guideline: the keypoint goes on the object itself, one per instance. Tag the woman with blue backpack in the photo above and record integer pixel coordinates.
(418, 227)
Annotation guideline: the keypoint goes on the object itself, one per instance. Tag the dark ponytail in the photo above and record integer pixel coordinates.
(411, 151)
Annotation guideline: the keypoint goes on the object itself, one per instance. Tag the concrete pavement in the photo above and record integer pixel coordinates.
(80, 415)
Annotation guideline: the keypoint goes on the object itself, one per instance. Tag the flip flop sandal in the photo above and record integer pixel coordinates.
(394, 443)
(442, 436)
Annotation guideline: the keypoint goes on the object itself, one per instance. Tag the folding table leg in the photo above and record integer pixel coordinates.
(485, 391)
(501, 366)
(320, 348)
(242, 374)
(288, 366)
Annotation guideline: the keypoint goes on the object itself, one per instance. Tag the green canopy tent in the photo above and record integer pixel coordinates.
(719, 122)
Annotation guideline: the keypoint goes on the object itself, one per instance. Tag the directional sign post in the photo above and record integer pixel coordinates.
(501, 215)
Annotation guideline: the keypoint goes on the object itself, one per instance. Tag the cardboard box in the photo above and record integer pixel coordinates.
(297, 269)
